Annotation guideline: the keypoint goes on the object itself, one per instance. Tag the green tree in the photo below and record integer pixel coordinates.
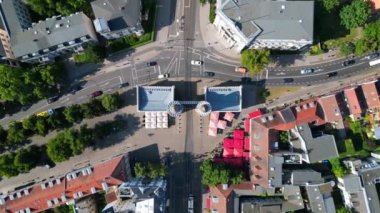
(3, 138)
(140, 170)
(7, 167)
(355, 14)
(51, 74)
(347, 48)
(372, 34)
(73, 114)
(16, 134)
(255, 60)
(92, 108)
(29, 123)
(48, 8)
(337, 168)
(41, 126)
(58, 148)
(343, 210)
(57, 120)
(361, 47)
(27, 159)
(214, 174)
(12, 86)
(111, 102)
(330, 4)
(92, 54)
(284, 137)
(264, 93)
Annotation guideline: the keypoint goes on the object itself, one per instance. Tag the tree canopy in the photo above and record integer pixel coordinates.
(48, 8)
(330, 4)
(111, 102)
(372, 35)
(337, 168)
(255, 60)
(150, 170)
(214, 174)
(355, 14)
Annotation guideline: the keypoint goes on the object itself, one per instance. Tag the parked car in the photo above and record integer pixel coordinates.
(96, 94)
(151, 64)
(76, 89)
(196, 62)
(125, 84)
(166, 75)
(307, 71)
(241, 70)
(372, 56)
(209, 74)
(288, 80)
(348, 63)
(52, 99)
(332, 74)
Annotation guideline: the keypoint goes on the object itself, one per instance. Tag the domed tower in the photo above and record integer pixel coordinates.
(175, 108)
(203, 108)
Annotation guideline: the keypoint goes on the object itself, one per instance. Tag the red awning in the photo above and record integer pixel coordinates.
(228, 143)
(228, 153)
(208, 203)
(239, 134)
(247, 143)
(255, 113)
(247, 125)
(238, 153)
(238, 143)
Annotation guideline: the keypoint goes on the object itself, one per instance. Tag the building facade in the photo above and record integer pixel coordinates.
(53, 37)
(257, 24)
(117, 18)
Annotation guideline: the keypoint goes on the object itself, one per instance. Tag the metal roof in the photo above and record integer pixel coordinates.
(303, 177)
(224, 99)
(285, 20)
(154, 98)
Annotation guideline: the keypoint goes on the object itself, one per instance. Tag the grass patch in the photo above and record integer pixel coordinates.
(133, 41)
(212, 13)
(275, 92)
(92, 54)
(316, 50)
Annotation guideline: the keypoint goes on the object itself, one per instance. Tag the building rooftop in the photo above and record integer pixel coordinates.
(306, 177)
(371, 95)
(308, 111)
(119, 14)
(75, 184)
(368, 176)
(154, 98)
(285, 20)
(352, 101)
(318, 148)
(9, 20)
(224, 99)
(49, 34)
(320, 198)
(330, 108)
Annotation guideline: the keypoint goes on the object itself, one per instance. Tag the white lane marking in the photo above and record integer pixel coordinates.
(221, 62)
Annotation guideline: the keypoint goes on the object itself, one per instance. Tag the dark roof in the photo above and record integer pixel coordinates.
(303, 177)
(318, 148)
(367, 176)
(119, 14)
(224, 99)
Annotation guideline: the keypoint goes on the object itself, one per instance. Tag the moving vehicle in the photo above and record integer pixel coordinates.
(372, 56)
(166, 75)
(306, 71)
(151, 64)
(196, 62)
(288, 80)
(241, 70)
(52, 99)
(332, 74)
(209, 74)
(348, 63)
(125, 84)
(374, 62)
(190, 203)
(96, 94)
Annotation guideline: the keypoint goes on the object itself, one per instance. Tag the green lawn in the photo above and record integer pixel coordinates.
(133, 41)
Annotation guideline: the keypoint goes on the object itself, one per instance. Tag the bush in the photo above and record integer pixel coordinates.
(212, 14)
(58, 148)
(73, 114)
(150, 170)
(16, 134)
(92, 109)
(337, 168)
(92, 54)
(41, 126)
(347, 48)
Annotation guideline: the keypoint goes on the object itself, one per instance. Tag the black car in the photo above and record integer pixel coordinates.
(348, 63)
(151, 64)
(209, 74)
(332, 74)
(52, 99)
(288, 80)
(76, 89)
(125, 84)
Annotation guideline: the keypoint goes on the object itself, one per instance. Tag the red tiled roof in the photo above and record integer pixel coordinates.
(111, 196)
(111, 172)
(371, 95)
(306, 112)
(352, 100)
(330, 108)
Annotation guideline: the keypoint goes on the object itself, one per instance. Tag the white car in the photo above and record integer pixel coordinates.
(306, 71)
(196, 62)
(163, 76)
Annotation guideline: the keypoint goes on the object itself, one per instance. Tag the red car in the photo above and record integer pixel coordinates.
(96, 94)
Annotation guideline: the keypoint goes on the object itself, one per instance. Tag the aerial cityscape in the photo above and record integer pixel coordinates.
(196, 106)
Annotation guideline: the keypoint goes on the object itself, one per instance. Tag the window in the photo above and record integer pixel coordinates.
(215, 199)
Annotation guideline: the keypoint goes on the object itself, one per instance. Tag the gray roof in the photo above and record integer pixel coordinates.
(154, 98)
(352, 183)
(50, 33)
(119, 14)
(289, 20)
(320, 198)
(367, 176)
(318, 148)
(275, 170)
(224, 99)
(9, 16)
(292, 198)
(303, 177)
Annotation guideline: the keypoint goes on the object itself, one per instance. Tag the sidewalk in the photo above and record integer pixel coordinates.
(214, 43)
